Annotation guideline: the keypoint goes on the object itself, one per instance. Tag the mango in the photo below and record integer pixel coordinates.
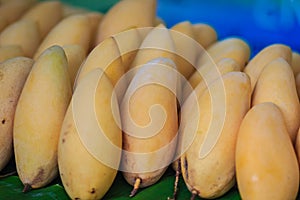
(276, 84)
(266, 163)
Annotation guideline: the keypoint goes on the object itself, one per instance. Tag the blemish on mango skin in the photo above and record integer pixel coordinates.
(93, 190)
(39, 177)
(1, 75)
(68, 129)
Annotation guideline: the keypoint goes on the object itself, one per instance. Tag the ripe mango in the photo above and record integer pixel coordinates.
(276, 84)
(266, 163)
(210, 120)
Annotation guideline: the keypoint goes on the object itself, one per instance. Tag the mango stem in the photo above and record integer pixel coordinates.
(178, 171)
(26, 188)
(136, 186)
(194, 194)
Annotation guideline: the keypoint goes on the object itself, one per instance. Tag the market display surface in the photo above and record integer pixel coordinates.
(121, 105)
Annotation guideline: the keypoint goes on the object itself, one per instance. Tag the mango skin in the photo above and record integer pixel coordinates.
(266, 164)
(213, 174)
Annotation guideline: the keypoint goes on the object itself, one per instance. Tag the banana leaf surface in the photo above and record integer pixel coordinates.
(11, 189)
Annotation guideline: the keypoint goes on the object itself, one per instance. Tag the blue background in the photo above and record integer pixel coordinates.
(258, 22)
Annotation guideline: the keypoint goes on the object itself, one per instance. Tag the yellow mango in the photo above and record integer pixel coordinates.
(276, 84)
(126, 14)
(24, 33)
(75, 29)
(158, 43)
(206, 35)
(266, 163)
(265, 56)
(47, 14)
(150, 122)
(209, 125)
(13, 74)
(38, 118)
(88, 159)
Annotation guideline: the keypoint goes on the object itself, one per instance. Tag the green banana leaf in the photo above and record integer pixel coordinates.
(11, 188)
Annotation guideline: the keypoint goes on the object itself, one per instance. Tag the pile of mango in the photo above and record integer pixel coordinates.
(85, 95)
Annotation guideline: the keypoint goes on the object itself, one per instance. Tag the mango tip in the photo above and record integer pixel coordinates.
(27, 188)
